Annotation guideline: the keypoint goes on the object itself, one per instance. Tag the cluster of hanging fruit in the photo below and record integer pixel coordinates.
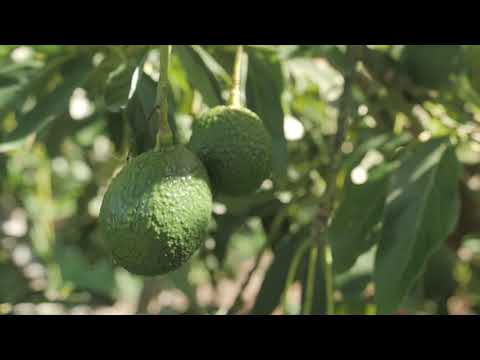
(156, 211)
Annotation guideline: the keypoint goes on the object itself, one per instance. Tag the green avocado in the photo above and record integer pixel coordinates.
(156, 211)
(431, 65)
(235, 147)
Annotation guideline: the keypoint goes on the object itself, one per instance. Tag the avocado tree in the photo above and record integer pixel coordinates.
(291, 179)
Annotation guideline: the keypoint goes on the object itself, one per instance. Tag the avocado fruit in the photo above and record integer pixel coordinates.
(156, 211)
(235, 147)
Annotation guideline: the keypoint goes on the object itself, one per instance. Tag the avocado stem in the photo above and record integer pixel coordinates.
(164, 135)
(235, 100)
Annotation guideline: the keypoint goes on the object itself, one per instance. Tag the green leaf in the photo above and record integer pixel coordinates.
(212, 64)
(10, 89)
(141, 115)
(17, 81)
(143, 118)
(77, 270)
(53, 105)
(438, 279)
(353, 226)
(118, 87)
(332, 53)
(14, 287)
(116, 130)
(264, 93)
(201, 75)
(352, 283)
(244, 204)
(319, 304)
(375, 142)
(227, 225)
(97, 82)
(421, 211)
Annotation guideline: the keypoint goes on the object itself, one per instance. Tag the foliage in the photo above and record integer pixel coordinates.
(396, 197)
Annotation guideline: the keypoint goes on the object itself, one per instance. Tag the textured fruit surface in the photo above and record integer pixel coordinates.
(156, 211)
(235, 147)
(432, 65)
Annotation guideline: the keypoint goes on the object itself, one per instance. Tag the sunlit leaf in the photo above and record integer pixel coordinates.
(75, 269)
(118, 88)
(352, 231)
(55, 104)
(264, 96)
(421, 211)
(200, 74)
(274, 282)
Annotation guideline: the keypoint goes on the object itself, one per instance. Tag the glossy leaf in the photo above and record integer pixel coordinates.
(274, 282)
(76, 270)
(17, 81)
(226, 227)
(14, 284)
(361, 210)
(201, 76)
(141, 115)
(143, 118)
(264, 93)
(212, 64)
(54, 104)
(421, 211)
(118, 87)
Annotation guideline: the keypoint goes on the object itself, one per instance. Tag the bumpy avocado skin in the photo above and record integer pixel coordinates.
(235, 147)
(156, 211)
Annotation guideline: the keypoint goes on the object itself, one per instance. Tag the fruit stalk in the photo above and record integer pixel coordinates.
(237, 74)
(164, 136)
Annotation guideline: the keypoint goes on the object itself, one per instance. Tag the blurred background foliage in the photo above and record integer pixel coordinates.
(70, 116)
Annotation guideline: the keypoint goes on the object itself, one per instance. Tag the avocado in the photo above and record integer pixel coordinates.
(156, 211)
(235, 147)
(431, 65)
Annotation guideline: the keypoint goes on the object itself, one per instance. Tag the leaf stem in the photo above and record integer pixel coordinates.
(235, 98)
(164, 136)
